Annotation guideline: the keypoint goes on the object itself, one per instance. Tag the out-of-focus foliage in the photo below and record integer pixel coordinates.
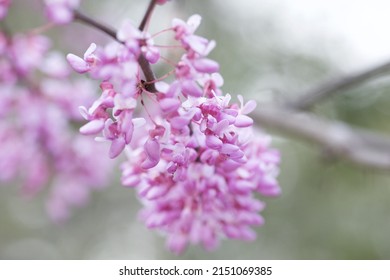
(328, 209)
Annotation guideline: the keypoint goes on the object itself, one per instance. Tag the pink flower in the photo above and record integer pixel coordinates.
(4, 5)
(61, 11)
(138, 42)
(183, 29)
(83, 65)
(152, 151)
(27, 52)
(96, 114)
(41, 149)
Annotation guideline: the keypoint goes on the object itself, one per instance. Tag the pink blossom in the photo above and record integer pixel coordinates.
(82, 65)
(61, 11)
(27, 52)
(183, 29)
(138, 42)
(41, 150)
(4, 5)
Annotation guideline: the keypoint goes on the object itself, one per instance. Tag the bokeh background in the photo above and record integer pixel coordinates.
(268, 49)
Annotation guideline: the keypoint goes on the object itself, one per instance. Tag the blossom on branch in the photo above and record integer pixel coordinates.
(60, 11)
(192, 154)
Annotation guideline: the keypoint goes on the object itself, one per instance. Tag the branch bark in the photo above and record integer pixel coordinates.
(359, 146)
(329, 88)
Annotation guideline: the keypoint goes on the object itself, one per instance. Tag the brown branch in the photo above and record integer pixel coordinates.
(94, 23)
(144, 64)
(359, 146)
(147, 15)
(329, 88)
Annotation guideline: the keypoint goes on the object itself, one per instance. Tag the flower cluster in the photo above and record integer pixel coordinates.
(40, 145)
(4, 5)
(192, 154)
(60, 11)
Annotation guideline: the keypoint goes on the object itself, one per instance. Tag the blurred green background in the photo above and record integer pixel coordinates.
(328, 209)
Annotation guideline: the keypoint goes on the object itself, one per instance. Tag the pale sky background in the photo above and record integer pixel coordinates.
(361, 27)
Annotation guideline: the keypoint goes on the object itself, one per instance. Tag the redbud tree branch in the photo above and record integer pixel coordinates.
(94, 23)
(329, 88)
(338, 139)
(341, 140)
(147, 15)
(143, 63)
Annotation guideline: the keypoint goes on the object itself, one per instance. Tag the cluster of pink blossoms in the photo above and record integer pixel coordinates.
(191, 154)
(4, 5)
(60, 11)
(41, 147)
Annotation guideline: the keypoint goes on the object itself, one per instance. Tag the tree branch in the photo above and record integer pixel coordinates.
(147, 15)
(144, 64)
(308, 99)
(94, 23)
(359, 146)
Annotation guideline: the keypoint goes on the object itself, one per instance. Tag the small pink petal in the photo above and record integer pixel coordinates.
(247, 234)
(152, 150)
(179, 122)
(117, 147)
(131, 181)
(156, 192)
(269, 187)
(205, 65)
(77, 63)
(229, 148)
(84, 112)
(248, 107)
(92, 127)
(243, 121)
(177, 243)
(221, 126)
(169, 104)
(194, 21)
(152, 55)
(213, 142)
(147, 163)
(236, 155)
(230, 165)
(91, 49)
(244, 185)
(251, 218)
(191, 88)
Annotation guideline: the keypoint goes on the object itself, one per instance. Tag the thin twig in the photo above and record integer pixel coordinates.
(315, 95)
(147, 15)
(144, 64)
(94, 23)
